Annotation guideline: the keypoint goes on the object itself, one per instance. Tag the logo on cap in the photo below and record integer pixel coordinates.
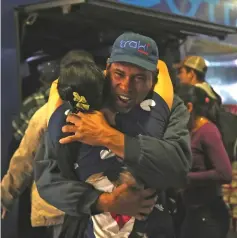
(142, 48)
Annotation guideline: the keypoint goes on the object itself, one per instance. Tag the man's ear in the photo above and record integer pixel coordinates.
(107, 66)
(192, 76)
(190, 107)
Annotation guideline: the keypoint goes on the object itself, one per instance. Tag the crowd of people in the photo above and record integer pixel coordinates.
(117, 152)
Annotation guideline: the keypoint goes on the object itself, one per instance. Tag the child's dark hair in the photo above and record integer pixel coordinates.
(203, 105)
(76, 55)
(86, 80)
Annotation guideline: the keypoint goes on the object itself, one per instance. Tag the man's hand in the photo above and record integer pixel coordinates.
(93, 129)
(127, 201)
(88, 128)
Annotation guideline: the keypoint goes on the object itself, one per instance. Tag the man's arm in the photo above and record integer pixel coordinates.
(162, 163)
(77, 197)
(159, 163)
(20, 172)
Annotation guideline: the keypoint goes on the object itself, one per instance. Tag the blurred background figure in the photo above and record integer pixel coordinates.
(10, 191)
(206, 214)
(195, 70)
(48, 72)
(192, 70)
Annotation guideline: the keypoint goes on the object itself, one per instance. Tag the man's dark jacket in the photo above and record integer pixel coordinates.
(160, 164)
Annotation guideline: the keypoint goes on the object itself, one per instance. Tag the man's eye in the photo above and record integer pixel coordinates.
(140, 78)
(118, 74)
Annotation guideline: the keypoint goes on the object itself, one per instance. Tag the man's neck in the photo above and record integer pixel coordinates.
(109, 115)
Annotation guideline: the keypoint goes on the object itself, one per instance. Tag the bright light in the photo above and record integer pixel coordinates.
(230, 89)
(222, 63)
(207, 62)
(36, 57)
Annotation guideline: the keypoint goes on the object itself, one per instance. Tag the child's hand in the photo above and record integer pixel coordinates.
(128, 178)
(125, 201)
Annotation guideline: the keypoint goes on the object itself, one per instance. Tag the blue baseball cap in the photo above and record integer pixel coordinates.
(135, 49)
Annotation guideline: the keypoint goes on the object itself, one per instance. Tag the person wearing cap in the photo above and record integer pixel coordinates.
(48, 73)
(192, 70)
(163, 163)
(16, 180)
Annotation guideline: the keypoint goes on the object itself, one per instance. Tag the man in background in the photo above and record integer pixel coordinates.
(192, 70)
(49, 71)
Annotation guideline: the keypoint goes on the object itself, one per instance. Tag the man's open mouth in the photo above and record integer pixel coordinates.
(124, 99)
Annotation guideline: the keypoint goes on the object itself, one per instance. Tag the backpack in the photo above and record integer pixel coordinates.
(227, 124)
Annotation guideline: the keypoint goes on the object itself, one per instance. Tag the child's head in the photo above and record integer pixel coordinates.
(76, 55)
(81, 83)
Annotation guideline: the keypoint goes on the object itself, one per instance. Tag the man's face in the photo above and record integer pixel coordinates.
(184, 76)
(129, 85)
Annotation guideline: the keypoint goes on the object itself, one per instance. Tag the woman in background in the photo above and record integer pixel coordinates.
(206, 213)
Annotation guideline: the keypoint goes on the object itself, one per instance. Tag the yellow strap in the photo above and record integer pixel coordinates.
(54, 100)
(164, 86)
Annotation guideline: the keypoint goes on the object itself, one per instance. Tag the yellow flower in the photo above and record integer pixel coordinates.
(81, 101)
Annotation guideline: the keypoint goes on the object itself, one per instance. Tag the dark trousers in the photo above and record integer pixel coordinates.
(179, 216)
(209, 221)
